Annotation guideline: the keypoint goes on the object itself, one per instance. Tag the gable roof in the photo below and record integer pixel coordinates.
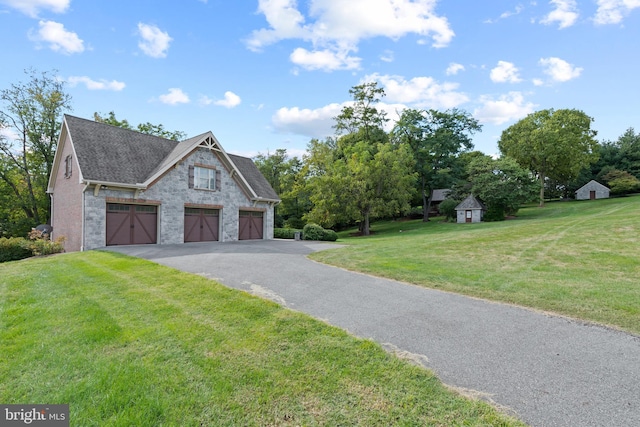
(440, 194)
(593, 184)
(471, 202)
(254, 177)
(111, 155)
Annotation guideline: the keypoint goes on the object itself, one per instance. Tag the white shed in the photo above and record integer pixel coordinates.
(592, 190)
(470, 210)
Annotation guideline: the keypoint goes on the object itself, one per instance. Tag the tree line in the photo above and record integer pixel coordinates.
(364, 173)
(360, 174)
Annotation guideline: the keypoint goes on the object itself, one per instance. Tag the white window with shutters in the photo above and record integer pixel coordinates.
(204, 178)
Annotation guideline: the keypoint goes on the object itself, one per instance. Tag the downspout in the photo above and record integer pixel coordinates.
(84, 190)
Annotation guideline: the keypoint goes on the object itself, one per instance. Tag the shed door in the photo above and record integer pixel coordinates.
(250, 225)
(201, 225)
(592, 195)
(131, 224)
(468, 216)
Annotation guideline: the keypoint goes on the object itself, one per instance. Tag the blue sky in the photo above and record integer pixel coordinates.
(269, 74)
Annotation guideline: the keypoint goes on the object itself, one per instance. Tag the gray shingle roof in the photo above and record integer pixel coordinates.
(254, 177)
(470, 203)
(112, 154)
(108, 153)
(440, 194)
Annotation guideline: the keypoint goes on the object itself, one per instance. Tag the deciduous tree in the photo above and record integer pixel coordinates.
(435, 138)
(148, 128)
(551, 143)
(30, 121)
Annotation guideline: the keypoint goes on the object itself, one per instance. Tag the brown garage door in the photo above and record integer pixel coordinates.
(131, 224)
(201, 225)
(250, 225)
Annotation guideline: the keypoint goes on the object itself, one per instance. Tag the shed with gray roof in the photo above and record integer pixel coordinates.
(592, 190)
(470, 210)
(112, 186)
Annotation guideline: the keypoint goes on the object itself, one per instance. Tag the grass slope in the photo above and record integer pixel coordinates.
(575, 258)
(128, 342)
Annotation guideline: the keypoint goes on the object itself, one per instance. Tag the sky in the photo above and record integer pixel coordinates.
(270, 74)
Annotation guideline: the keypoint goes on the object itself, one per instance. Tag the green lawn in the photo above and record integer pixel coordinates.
(130, 343)
(580, 258)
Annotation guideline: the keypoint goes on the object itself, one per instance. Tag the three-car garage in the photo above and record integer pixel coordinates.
(137, 224)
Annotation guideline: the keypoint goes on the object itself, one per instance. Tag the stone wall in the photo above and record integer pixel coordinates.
(173, 192)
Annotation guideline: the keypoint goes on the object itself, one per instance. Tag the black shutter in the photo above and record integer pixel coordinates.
(191, 176)
(218, 180)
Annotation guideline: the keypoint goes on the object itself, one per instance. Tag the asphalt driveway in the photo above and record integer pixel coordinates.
(546, 370)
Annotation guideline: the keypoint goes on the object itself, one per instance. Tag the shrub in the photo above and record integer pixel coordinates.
(294, 222)
(448, 209)
(285, 233)
(17, 248)
(14, 248)
(315, 232)
(494, 213)
(329, 236)
(312, 231)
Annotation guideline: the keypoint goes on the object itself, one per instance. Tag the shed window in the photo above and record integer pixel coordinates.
(68, 164)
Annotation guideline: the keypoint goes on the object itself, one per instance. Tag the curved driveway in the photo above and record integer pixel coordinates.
(546, 370)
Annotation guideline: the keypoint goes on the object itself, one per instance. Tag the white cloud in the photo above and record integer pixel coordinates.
(174, 97)
(422, 92)
(325, 60)
(331, 27)
(454, 69)
(559, 70)
(511, 106)
(614, 11)
(8, 133)
(317, 123)
(101, 84)
(154, 42)
(230, 100)
(33, 7)
(58, 38)
(387, 56)
(519, 8)
(505, 72)
(565, 13)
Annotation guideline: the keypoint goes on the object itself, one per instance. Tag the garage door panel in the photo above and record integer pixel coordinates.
(118, 228)
(201, 225)
(210, 225)
(250, 225)
(145, 224)
(131, 224)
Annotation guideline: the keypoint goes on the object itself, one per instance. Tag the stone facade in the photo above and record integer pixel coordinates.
(592, 189)
(171, 193)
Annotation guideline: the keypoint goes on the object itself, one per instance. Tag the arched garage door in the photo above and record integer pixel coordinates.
(250, 226)
(201, 225)
(131, 224)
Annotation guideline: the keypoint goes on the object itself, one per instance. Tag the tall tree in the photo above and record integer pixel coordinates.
(502, 184)
(148, 128)
(287, 179)
(30, 118)
(551, 143)
(359, 175)
(435, 138)
(365, 182)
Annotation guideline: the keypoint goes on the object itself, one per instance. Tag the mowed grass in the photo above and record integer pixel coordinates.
(579, 258)
(127, 342)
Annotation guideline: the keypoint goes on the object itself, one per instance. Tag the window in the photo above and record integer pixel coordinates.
(68, 162)
(204, 178)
